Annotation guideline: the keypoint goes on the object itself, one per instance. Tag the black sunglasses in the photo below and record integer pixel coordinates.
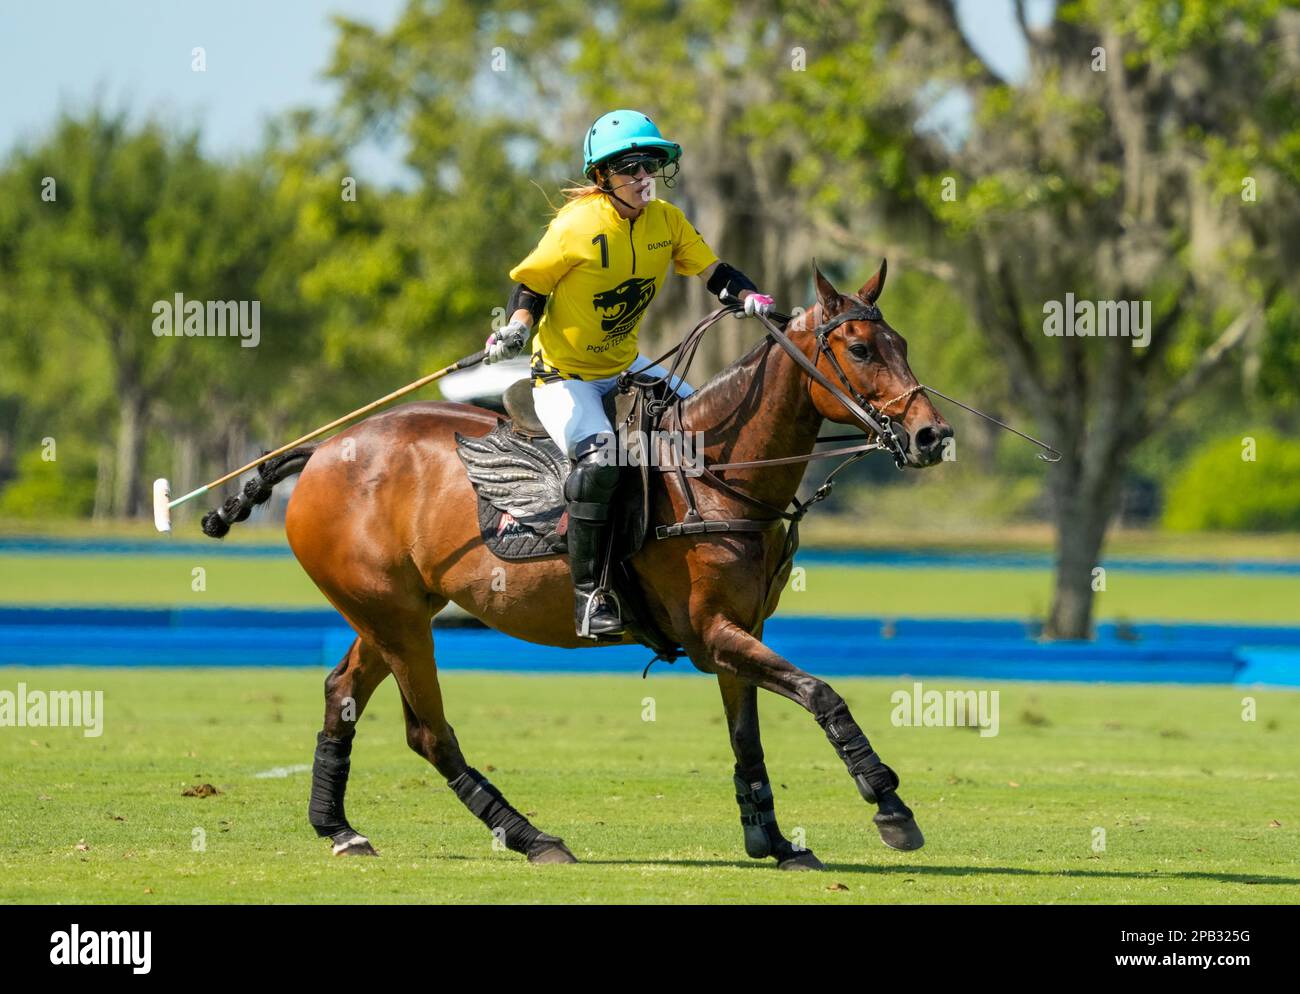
(628, 164)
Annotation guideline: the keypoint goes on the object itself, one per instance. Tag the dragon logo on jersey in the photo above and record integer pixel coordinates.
(622, 306)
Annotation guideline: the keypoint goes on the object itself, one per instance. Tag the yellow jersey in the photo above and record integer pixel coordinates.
(601, 271)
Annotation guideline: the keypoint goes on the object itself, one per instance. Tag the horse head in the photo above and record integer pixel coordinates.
(862, 353)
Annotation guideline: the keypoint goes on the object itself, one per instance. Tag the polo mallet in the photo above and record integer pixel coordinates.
(163, 504)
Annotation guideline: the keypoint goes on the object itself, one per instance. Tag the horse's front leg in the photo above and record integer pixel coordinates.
(733, 650)
(763, 837)
(347, 691)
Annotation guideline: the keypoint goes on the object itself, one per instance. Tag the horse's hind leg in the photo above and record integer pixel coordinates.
(731, 649)
(347, 690)
(410, 655)
(763, 837)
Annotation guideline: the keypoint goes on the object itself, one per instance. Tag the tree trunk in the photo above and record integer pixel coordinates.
(130, 448)
(237, 448)
(187, 472)
(1080, 528)
(7, 470)
(1086, 498)
(103, 484)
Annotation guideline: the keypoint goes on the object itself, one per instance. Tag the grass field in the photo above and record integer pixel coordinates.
(1196, 804)
(841, 531)
(829, 589)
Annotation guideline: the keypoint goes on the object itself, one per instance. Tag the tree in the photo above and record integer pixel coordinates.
(104, 221)
(1121, 169)
(442, 250)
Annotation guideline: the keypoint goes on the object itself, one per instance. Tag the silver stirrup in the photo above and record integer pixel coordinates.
(585, 630)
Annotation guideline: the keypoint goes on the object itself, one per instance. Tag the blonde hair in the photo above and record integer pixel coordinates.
(579, 191)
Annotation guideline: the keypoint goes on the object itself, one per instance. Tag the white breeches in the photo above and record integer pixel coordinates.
(571, 410)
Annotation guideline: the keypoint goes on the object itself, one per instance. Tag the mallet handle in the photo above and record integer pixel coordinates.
(465, 363)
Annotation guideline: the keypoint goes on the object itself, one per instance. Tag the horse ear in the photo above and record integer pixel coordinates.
(827, 295)
(871, 289)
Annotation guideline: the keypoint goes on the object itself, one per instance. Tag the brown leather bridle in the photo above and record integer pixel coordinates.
(881, 433)
(872, 417)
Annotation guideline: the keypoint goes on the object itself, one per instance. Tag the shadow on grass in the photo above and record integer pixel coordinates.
(964, 871)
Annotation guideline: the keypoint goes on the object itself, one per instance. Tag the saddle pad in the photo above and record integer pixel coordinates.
(509, 538)
(522, 513)
(520, 487)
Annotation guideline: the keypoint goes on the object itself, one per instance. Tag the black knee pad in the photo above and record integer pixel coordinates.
(598, 448)
(594, 477)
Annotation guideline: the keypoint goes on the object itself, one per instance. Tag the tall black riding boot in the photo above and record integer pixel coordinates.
(592, 616)
(589, 489)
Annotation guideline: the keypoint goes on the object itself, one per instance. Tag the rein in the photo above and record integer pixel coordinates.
(879, 424)
(881, 434)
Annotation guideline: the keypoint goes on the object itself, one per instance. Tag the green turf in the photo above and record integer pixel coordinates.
(1197, 804)
(826, 589)
(162, 580)
(824, 529)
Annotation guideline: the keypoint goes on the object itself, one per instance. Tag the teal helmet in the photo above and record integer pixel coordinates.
(622, 131)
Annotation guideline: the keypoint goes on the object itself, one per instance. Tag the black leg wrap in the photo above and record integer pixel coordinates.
(877, 783)
(329, 782)
(494, 811)
(758, 819)
(874, 779)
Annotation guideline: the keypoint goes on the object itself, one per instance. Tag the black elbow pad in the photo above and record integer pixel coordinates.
(522, 298)
(728, 278)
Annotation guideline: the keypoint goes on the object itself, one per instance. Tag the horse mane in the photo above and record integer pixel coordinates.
(719, 392)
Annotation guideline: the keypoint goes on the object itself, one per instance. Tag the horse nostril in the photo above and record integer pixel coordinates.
(927, 438)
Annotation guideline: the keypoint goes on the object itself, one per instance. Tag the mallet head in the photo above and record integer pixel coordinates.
(162, 512)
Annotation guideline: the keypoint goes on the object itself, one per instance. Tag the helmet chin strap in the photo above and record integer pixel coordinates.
(613, 192)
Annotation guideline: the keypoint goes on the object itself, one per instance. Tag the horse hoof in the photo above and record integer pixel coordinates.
(902, 834)
(549, 849)
(354, 845)
(801, 861)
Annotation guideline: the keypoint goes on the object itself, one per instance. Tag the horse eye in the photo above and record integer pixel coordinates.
(859, 351)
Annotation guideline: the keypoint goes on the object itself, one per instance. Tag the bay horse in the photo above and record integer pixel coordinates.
(383, 519)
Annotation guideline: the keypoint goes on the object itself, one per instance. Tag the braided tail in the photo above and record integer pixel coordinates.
(256, 491)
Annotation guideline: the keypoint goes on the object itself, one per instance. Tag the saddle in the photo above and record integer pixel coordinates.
(518, 474)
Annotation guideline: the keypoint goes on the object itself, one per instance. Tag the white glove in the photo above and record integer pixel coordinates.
(758, 303)
(506, 343)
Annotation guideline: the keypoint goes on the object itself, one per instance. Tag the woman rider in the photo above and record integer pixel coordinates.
(586, 286)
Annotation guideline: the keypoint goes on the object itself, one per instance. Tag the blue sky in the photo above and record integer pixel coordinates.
(263, 58)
